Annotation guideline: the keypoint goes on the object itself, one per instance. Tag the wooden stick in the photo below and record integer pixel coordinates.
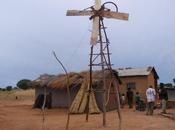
(68, 90)
(43, 110)
(118, 103)
(90, 85)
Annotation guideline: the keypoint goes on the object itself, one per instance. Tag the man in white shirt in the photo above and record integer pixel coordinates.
(150, 94)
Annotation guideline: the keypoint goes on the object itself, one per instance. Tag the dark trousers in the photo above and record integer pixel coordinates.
(130, 103)
(150, 108)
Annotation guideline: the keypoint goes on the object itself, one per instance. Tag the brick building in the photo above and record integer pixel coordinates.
(138, 79)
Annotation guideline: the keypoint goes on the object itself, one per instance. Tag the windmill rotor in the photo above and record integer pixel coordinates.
(96, 13)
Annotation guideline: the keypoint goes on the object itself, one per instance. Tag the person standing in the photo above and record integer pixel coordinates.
(129, 95)
(163, 96)
(122, 100)
(137, 101)
(150, 94)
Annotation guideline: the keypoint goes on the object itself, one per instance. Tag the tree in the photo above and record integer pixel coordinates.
(15, 88)
(161, 84)
(9, 88)
(23, 84)
(174, 80)
(169, 85)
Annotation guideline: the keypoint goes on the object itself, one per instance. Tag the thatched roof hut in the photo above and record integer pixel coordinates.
(78, 85)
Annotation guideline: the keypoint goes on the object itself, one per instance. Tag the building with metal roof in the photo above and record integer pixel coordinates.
(138, 79)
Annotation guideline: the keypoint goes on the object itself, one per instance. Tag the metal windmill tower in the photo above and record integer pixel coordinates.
(101, 56)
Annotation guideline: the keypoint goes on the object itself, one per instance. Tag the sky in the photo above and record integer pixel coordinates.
(31, 29)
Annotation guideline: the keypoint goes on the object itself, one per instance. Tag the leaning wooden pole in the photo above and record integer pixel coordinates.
(90, 85)
(43, 109)
(103, 72)
(118, 103)
(113, 77)
(68, 90)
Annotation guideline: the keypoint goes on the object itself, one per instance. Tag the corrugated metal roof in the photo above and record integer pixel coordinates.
(134, 71)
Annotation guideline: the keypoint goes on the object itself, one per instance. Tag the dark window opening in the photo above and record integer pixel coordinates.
(131, 85)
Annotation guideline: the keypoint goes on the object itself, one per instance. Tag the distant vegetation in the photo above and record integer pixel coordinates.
(8, 88)
(23, 84)
(168, 85)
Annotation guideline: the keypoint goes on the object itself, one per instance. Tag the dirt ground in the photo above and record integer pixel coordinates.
(17, 114)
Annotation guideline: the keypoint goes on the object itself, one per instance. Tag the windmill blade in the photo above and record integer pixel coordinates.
(95, 26)
(97, 5)
(115, 15)
(95, 31)
(78, 13)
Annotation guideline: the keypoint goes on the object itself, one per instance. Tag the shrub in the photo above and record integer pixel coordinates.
(23, 84)
(9, 88)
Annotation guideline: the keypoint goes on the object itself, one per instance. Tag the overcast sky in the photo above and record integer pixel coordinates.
(31, 29)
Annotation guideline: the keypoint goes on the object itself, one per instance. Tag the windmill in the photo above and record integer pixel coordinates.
(100, 58)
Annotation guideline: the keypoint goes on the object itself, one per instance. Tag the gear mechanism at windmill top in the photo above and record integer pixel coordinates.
(100, 56)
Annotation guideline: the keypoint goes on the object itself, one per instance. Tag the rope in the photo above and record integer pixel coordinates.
(70, 59)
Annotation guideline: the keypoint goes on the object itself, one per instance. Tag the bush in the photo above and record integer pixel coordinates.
(9, 88)
(15, 88)
(23, 84)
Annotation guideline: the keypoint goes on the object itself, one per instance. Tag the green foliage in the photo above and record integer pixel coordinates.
(161, 84)
(15, 88)
(174, 80)
(169, 85)
(9, 88)
(2, 89)
(23, 84)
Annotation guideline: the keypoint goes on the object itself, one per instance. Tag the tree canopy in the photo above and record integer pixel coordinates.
(23, 84)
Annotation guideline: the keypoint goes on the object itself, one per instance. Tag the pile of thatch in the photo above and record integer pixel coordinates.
(79, 104)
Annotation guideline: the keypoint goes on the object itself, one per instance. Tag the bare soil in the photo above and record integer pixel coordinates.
(19, 115)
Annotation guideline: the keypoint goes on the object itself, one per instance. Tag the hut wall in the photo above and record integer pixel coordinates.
(152, 80)
(99, 100)
(171, 97)
(141, 84)
(171, 94)
(59, 96)
(111, 104)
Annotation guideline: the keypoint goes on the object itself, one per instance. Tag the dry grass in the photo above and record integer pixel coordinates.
(19, 94)
(60, 81)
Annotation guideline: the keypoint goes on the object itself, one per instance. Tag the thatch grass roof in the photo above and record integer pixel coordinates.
(57, 81)
(60, 81)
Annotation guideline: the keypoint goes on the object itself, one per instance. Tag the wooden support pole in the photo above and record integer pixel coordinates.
(103, 73)
(90, 85)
